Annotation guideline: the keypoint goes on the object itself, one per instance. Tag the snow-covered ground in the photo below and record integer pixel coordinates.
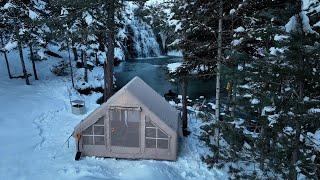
(35, 122)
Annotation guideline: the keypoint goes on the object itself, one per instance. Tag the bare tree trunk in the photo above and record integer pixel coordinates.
(6, 58)
(217, 113)
(105, 88)
(296, 142)
(75, 54)
(295, 154)
(33, 63)
(70, 64)
(25, 73)
(234, 99)
(84, 57)
(108, 76)
(184, 87)
(218, 74)
(97, 60)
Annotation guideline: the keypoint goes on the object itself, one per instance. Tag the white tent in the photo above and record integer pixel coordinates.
(136, 122)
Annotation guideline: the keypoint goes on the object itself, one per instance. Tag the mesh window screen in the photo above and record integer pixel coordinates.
(134, 116)
(88, 131)
(161, 134)
(162, 143)
(87, 140)
(98, 130)
(151, 132)
(100, 121)
(94, 135)
(155, 137)
(125, 128)
(150, 143)
(99, 140)
(148, 122)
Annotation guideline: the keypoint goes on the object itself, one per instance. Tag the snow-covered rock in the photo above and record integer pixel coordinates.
(175, 53)
(172, 67)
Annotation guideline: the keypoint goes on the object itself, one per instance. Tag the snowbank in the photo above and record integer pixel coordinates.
(173, 67)
(175, 53)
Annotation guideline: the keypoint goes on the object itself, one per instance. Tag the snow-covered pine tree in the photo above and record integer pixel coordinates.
(35, 35)
(3, 38)
(204, 42)
(276, 92)
(15, 15)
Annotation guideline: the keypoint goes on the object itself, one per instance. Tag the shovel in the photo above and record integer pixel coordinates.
(78, 155)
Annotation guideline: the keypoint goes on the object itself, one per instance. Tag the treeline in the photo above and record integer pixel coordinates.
(84, 28)
(267, 52)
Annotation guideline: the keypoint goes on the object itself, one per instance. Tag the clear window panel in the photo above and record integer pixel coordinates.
(133, 116)
(162, 144)
(87, 140)
(149, 123)
(161, 134)
(99, 140)
(88, 131)
(100, 121)
(98, 130)
(123, 115)
(115, 115)
(151, 132)
(150, 143)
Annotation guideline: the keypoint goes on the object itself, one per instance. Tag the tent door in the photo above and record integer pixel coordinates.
(124, 129)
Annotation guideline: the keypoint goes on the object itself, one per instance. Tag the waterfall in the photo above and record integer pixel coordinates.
(137, 37)
(145, 43)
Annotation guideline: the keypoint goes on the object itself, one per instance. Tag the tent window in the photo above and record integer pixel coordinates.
(100, 121)
(155, 137)
(88, 131)
(161, 134)
(149, 124)
(151, 132)
(125, 127)
(99, 130)
(151, 143)
(94, 135)
(88, 140)
(99, 140)
(162, 143)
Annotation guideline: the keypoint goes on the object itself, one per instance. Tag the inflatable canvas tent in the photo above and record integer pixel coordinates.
(134, 123)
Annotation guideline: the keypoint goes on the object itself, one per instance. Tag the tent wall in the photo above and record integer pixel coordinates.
(132, 153)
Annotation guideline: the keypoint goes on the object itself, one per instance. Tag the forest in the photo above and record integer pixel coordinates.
(244, 76)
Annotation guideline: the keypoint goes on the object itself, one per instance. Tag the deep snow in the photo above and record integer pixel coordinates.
(35, 122)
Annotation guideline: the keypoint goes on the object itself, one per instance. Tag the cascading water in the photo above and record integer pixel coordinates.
(140, 41)
(145, 44)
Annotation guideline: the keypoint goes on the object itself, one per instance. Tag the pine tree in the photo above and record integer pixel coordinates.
(16, 15)
(274, 92)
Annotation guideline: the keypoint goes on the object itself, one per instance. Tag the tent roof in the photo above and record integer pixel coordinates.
(151, 99)
(144, 94)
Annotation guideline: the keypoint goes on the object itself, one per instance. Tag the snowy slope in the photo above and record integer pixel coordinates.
(35, 122)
